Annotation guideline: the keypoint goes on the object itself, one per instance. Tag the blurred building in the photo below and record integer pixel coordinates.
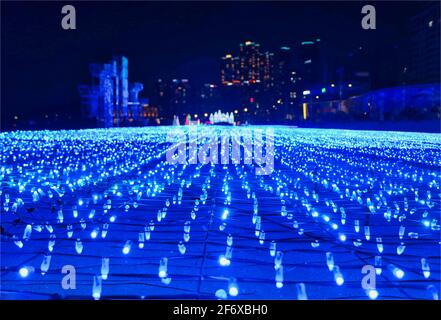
(172, 97)
(110, 99)
(250, 62)
(209, 99)
(424, 66)
(230, 70)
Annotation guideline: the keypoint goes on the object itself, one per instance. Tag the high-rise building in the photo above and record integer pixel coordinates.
(180, 93)
(161, 97)
(310, 63)
(281, 71)
(424, 66)
(230, 70)
(209, 98)
(249, 61)
(267, 70)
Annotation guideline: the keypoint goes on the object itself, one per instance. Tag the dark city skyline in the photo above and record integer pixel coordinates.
(168, 40)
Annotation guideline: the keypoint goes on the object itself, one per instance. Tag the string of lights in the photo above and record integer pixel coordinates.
(106, 202)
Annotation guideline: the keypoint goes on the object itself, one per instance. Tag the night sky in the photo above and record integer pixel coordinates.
(42, 64)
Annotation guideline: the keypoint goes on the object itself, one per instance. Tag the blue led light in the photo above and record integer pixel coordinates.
(335, 201)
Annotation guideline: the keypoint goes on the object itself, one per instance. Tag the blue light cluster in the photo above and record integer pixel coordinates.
(107, 203)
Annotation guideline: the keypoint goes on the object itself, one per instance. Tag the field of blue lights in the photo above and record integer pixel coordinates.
(107, 203)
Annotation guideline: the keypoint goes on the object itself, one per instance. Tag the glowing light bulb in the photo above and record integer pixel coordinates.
(51, 243)
(104, 230)
(94, 233)
(44, 267)
(221, 294)
(330, 260)
(367, 233)
(223, 261)
(78, 246)
(279, 277)
(187, 227)
(104, 268)
(69, 231)
(230, 240)
(278, 260)
(397, 272)
(372, 294)
(127, 247)
(301, 291)
(401, 232)
(24, 272)
(233, 288)
(379, 245)
(262, 237)
(96, 289)
(273, 248)
(400, 249)
(181, 247)
(141, 238)
(27, 232)
(338, 277)
(425, 267)
(162, 273)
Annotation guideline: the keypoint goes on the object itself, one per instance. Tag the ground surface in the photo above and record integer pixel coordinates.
(335, 202)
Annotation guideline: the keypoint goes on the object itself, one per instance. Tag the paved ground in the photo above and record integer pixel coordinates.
(335, 202)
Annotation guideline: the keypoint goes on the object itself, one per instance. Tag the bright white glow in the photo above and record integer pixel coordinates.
(24, 272)
(127, 247)
(224, 261)
(306, 92)
(225, 214)
(398, 273)
(339, 280)
(162, 274)
(279, 285)
(93, 234)
(342, 237)
(233, 291)
(373, 294)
